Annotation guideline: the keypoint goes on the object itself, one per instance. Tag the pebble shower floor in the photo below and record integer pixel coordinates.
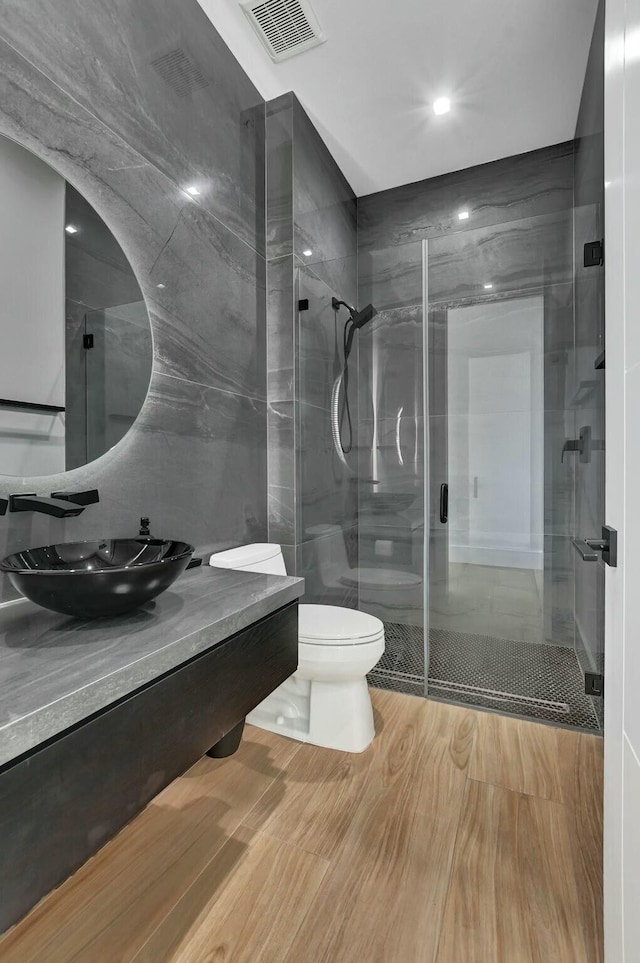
(523, 678)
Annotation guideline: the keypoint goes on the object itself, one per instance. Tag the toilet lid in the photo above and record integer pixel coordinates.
(382, 578)
(334, 625)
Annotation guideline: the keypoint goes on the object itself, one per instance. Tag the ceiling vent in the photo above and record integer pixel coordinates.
(178, 71)
(285, 27)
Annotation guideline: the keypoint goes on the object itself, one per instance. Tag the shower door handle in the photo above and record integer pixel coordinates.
(591, 549)
(444, 503)
(586, 551)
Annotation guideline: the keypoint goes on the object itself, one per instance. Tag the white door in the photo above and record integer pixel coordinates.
(622, 625)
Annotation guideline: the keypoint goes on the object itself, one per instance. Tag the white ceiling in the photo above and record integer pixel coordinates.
(512, 68)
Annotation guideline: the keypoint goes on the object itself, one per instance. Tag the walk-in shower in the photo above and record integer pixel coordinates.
(432, 461)
(471, 388)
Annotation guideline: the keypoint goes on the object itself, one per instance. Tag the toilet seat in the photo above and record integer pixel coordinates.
(382, 578)
(333, 625)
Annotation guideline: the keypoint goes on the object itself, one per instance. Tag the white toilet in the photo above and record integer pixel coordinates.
(326, 702)
(391, 593)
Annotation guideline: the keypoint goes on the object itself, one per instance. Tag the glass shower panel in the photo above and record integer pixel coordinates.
(502, 447)
(391, 462)
(325, 521)
(116, 373)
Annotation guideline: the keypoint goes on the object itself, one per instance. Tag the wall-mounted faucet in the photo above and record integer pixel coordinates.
(60, 505)
(46, 506)
(581, 444)
(90, 497)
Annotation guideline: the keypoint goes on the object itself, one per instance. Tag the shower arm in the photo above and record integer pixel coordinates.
(337, 303)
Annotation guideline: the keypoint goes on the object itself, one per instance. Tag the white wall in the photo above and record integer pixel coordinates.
(32, 281)
(622, 631)
(496, 433)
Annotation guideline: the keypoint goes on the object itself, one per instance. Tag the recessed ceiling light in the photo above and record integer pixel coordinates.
(70, 229)
(463, 215)
(192, 191)
(488, 286)
(442, 105)
(161, 285)
(307, 253)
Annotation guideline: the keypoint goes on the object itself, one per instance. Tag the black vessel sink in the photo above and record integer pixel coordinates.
(388, 502)
(97, 579)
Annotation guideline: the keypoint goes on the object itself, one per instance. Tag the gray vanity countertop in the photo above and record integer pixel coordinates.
(56, 671)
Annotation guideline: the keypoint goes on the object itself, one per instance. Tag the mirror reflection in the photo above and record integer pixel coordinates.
(77, 349)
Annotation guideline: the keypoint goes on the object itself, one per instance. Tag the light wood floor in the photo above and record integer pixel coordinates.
(458, 837)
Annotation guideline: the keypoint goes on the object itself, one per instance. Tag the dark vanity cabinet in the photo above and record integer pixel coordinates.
(63, 800)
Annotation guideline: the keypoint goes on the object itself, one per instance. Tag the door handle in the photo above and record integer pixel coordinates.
(444, 502)
(588, 548)
(582, 444)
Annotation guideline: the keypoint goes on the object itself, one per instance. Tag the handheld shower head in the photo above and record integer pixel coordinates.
(360, 318)
(357, 319)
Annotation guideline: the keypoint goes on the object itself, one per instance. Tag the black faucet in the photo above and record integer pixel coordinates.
(57, 507)
(78, 498)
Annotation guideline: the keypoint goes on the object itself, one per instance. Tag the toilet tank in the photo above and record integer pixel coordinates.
(330, 553)
(261, 557)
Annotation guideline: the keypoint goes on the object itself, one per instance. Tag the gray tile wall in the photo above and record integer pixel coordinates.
(506, 190)
(85, 86)
(519, 235)
(310, 208)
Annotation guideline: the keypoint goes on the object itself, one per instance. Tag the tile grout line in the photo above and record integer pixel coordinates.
(271, 784)
(280, 839)
(122, 872)
(185, 894)
(455, 840)
(331, 865)
(203, 870)
(311, 907)
(572, 816)
(79, 954)
(522, 792)
(174, 905)
(451, 865)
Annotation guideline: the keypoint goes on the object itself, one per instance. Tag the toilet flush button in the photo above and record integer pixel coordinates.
(280, 720)
(383, 548)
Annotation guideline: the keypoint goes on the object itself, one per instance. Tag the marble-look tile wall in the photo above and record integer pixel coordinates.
(518, 235)
(87, 86)
(510, 189)
(311, 255)
(589, 382)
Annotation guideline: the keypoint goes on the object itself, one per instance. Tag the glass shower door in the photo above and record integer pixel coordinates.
(502, 469)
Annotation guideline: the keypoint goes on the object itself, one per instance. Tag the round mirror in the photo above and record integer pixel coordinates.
(77, 352)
